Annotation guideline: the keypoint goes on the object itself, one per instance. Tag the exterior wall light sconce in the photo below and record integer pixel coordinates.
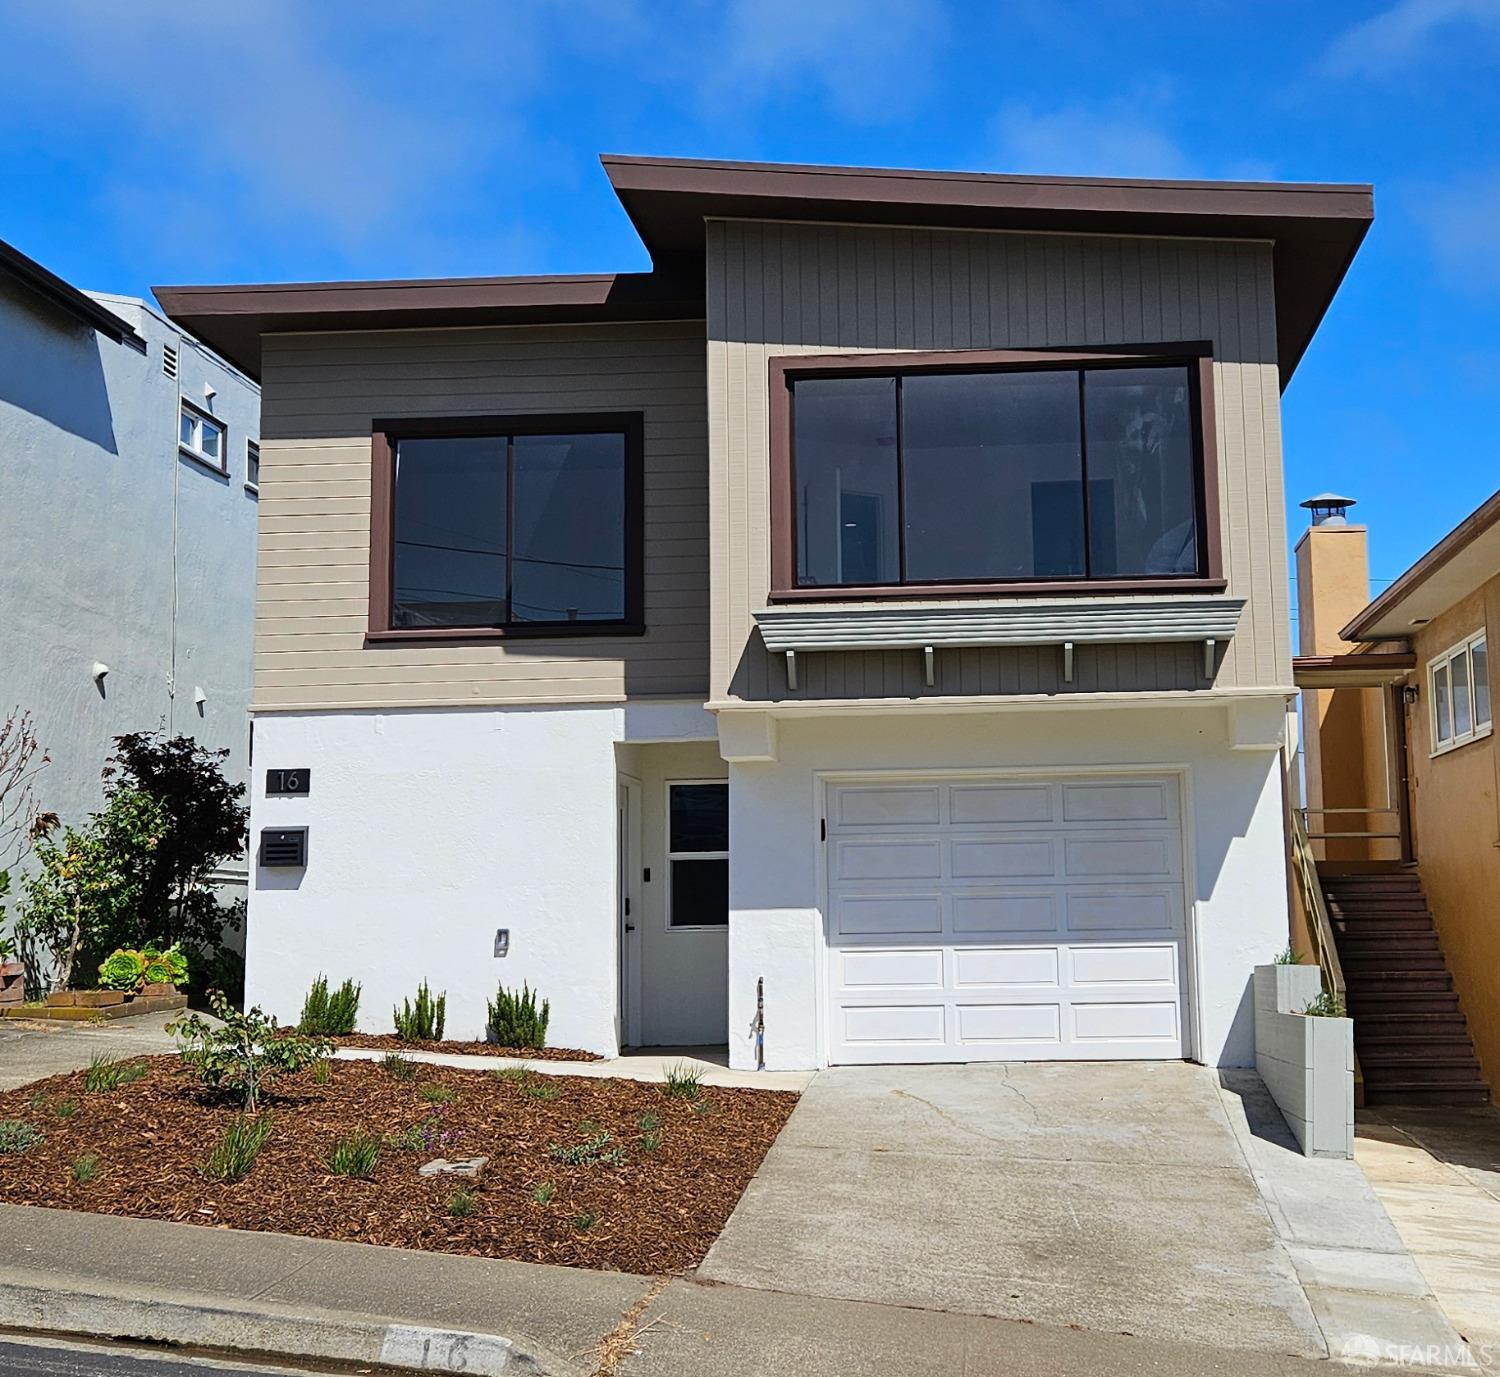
(98, 672)
(1410, 693)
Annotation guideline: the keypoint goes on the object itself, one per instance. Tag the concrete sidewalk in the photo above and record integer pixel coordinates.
(355, 1304)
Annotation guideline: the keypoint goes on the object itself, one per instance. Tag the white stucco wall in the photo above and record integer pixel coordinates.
(1237, 888)
(92, 493)
(429, 830)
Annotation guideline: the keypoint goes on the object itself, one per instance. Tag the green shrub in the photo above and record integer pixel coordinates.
(85, 1169)
(1288, 957)
(322, 1071)
(1325, 1005)
(105, 1075)
(422, 1022)
(585, 1221)
(515, 1020)
(683, 1081)
(402, 1068)
(238, 1147)
(541, 1089)
(354, 1155)
(543, 1193)
(126, 968)
(246, 1053)
(16, 1135)
(65, 1109)
(592, 1152)
(329, 1015)
(462, 1205)
(437, 1094)
(522, 1073)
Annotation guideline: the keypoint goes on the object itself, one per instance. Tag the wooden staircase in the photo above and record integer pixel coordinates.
(1409, 1033)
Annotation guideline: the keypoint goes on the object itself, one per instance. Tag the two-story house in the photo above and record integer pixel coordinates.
(863, 636)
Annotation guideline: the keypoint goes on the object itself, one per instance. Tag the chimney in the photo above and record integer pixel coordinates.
(1333, 575)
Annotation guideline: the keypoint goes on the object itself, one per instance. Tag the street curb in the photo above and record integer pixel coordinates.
(80, 1307)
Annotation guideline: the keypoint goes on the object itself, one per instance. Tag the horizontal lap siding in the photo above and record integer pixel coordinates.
(321, 394)
(780, 289)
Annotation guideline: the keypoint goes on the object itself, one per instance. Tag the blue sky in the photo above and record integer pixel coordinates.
(206, 141)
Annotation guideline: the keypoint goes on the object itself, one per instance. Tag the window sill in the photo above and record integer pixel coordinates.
(1051, 589)
(459, 634)
(203, 461)
(1483, 734)
(253, 489)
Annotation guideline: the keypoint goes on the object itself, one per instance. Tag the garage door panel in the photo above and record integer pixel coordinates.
(858, 915)
(888, 859)
(997, 859)
(1095, 858)
(891, 970)
(1004, 914)
(971, 804)
(999, 966)
(993, 918)
(1009, 1023)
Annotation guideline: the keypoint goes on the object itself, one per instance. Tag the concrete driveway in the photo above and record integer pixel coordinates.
(1113, 1196)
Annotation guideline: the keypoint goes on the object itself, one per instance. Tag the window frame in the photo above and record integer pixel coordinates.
(386, 434)
(252, 455)
(199, 415)
(1196, 356)
(1461, 650)
(674, 856)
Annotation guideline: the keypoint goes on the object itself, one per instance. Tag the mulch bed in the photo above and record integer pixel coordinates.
(656, 1212)
(389, 1042)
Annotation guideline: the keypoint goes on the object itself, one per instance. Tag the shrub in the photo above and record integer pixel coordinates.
(462, 1205)
(85, 1169)
(402, 1068)
(436, 1094)
(238, 1147)
(246, 1053)
(329, 1015)
(65, 1109)
(1288, 957)
(592, 1152)
(105, 1075)
(129, 968)
(522, 1073)
(354, 1155)
(1325, 1005)
(585, 1221)
(683, 1081)
(16, 1135)
(322, 1071)
(540, 1089)
(422, 1022)
(543, 1193)
(515, 1021)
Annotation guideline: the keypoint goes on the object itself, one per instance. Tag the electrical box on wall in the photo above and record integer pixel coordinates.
(283, 848)
(288, 781)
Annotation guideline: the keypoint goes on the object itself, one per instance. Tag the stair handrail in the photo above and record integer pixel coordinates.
(1319, 925)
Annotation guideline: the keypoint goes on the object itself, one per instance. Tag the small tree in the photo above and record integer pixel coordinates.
(21, 760)
(244, 1053)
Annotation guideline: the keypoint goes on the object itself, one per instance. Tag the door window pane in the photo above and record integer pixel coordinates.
(1458, 669)
(450, 532)
(845, 499)
(569, 533)
(699, 818)
(700, 894)
(1142, 498)
(993, 471)
(1480, 654)
(1440, 709)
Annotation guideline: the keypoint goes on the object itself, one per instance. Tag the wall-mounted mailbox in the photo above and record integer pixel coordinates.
(283, 848)
(288, 781)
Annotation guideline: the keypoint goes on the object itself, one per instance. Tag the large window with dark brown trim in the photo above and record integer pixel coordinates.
(507, 526)
(1036, 474)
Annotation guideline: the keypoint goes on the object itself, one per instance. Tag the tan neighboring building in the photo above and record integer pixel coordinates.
(1403, 795)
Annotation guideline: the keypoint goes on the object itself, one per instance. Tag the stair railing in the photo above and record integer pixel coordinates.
(1319, 925)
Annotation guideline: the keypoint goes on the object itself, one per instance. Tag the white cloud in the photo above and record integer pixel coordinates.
(1400, 35)
(1118, 140)
(871, 59)
(1460, 219)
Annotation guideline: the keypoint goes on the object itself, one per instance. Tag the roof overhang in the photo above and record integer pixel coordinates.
(64, 296)
(232, 319)
(1315, 227)
(1352, 671)
(1465, 559)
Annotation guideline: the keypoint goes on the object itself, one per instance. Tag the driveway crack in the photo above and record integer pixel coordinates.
(966, 1128)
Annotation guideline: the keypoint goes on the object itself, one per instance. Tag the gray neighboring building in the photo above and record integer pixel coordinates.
(128, 492)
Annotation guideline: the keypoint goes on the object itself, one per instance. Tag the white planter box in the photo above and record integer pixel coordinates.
(1307, 1063)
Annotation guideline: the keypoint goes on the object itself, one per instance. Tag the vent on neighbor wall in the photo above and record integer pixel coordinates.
(283, 848)
(169, 360)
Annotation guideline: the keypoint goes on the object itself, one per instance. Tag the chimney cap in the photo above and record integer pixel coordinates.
(1328, 508)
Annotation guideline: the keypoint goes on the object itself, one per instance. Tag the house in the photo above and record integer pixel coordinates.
(861, 638)
(128, 473)
(1403, 780)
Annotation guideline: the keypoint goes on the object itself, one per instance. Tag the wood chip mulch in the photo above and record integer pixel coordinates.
(656, 1212)
(389, 1042)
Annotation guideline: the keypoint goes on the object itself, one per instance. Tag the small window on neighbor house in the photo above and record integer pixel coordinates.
(1459, 682)
(252, 465)
(698, 855)
(202, 437)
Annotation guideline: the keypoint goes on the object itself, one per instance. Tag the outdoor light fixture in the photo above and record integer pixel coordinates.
(209, 392)
(199, 697)
(1410, 693)
(98, 672)
(1328, 509)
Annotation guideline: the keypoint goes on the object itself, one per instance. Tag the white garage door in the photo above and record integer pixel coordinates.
(1005, 919)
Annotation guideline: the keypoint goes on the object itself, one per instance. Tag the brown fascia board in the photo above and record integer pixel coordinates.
(1459, 538)
(64, 295)
(232, 319)
(1316, 227)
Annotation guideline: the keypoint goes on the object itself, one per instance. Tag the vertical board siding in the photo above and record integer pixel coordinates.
(787, 289)
(321, 393)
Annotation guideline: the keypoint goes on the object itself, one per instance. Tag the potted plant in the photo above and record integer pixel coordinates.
(147, 971)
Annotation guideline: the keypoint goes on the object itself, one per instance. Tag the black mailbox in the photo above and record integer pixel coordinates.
(283, 848)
